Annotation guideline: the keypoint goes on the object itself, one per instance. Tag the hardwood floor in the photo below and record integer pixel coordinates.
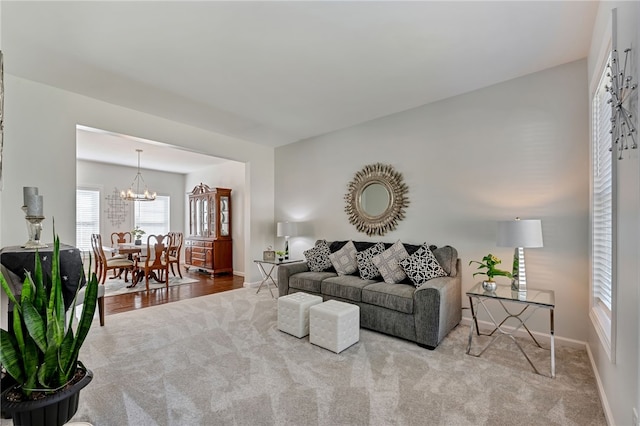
(143, 299)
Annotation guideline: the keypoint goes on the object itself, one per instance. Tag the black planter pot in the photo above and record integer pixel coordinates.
(138, 242)
(54, 410)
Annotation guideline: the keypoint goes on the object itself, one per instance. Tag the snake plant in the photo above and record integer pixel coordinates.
(42, 352)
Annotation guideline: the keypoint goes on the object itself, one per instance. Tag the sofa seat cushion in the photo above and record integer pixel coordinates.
(348, 287)
(309, 281)
(397, 297)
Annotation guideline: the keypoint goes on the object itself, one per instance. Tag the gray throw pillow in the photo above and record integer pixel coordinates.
(318, 257)
(344, 260)
(422, 266)
(388, 264)
(368, 270)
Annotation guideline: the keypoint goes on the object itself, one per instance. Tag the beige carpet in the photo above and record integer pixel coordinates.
(220, 360)
(113, 287)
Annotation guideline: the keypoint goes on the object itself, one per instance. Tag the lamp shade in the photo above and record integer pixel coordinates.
(520, 233)
(287, 229)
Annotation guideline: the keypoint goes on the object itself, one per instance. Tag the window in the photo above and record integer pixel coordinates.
(87, 217)
(602, 218)
(153, 216)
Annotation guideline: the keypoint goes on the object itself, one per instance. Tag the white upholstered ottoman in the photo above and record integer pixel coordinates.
(334, 325)
(293, 313)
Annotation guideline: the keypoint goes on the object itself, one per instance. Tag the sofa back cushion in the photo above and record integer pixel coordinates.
(447, 256)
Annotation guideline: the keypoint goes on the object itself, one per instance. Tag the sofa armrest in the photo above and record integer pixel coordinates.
(285, 271)
(437, 308)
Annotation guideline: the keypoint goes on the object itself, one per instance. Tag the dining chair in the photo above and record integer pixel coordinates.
(175, 247)
(116, 239)
(106, 264)
(156, 262)
(120, 238)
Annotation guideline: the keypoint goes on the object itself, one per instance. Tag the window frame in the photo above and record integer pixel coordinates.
(602, 318)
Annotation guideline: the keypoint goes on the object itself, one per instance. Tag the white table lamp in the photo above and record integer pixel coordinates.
(520, 234)
(286, 230)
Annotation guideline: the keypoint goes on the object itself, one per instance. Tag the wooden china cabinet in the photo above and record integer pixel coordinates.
(209, 246)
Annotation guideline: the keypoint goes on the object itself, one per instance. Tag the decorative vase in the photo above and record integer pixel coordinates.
(53, 410)
(489, 285)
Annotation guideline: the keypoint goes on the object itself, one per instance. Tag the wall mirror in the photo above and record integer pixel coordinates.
(376, 199)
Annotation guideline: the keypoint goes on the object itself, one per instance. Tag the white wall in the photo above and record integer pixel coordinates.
(39, 150)
(514, 149)
(618, 378)
(226, 175)
(106, 177)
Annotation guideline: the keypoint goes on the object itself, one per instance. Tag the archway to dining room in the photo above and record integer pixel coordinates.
(108, 163)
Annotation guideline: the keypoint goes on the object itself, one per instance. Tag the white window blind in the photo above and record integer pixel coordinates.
(87, 217)
(602, 199)
(153, 216)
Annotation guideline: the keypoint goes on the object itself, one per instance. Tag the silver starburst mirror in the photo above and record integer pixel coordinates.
(376, 199)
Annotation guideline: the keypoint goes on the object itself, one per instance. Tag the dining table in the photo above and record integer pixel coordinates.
(130, 249)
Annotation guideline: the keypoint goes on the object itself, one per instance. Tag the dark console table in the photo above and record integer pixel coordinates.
(17, 260)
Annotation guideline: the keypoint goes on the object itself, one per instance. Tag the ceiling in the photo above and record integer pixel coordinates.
(278, 72)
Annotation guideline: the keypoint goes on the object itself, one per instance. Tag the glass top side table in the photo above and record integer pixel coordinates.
(266, 275)
(530, 301)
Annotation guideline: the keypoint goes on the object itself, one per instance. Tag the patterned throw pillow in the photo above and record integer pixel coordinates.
(387, 263)
(318, 257)
(422, 266)
(344, 260)
(368, 270)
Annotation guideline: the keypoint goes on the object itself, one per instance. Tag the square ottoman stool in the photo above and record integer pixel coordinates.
(293, 313)
(334, 325)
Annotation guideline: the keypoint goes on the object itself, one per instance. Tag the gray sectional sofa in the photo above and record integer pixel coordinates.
(423, 314)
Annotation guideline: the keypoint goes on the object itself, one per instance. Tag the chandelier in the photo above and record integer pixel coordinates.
(134, 192)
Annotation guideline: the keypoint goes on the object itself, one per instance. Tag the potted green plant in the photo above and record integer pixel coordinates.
(280, 255)
(41, 352)
(488, 268)
(137, 235)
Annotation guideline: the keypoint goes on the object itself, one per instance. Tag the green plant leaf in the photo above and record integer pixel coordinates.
(37, 280)
(10, 356)
(7, 291)
(86, 318)
(35, 324)
(55, 307)
(47, 373)
(31, 365)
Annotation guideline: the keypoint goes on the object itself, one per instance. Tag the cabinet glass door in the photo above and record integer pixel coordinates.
(205, 215)
(198, 211)
(224, 216)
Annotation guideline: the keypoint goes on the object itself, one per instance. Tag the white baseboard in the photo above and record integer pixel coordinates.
(601, 393)
(543, 338)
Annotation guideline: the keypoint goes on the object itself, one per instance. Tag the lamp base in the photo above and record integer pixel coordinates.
(519, 281)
